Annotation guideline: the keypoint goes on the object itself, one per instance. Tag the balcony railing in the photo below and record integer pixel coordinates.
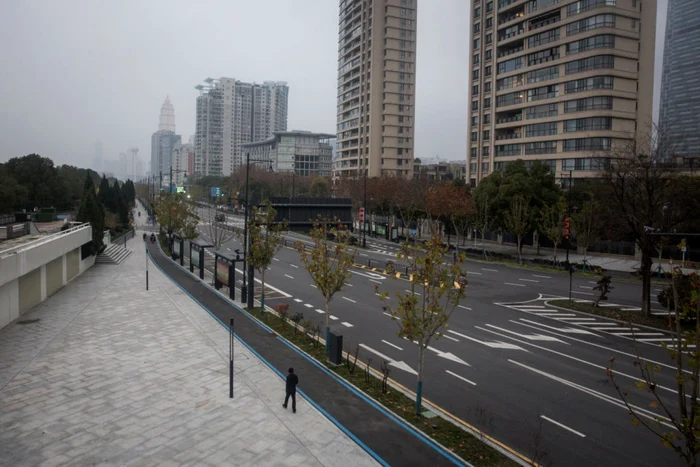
(515, 118)
(508, 136)
(511, 52)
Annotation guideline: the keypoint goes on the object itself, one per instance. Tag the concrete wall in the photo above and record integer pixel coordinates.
(31, 272)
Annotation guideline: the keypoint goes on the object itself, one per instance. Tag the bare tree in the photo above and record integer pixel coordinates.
(551, 224)
(645, 191)
(586, 225)
(678, 428)
(216, 228)
(517, 220)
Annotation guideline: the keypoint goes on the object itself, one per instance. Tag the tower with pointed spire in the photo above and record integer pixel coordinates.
(167, 116)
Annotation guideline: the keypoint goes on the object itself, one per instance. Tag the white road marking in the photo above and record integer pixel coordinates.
(228, 248)
(525, 307)
(542, 277)
(493, 345)
(294, 266)
(582, 293)
(333, 317)
(400, 365)
(563, 426)
(372, 280)
(362, 254)
(641, 411)
(460, 377)
(585, 287)
(489, 270)
(414, 293)
(578, 318)
(318, 310)
(517, 285)
(349, 299)
(566, 330)
(472, 272)
(349, 285)
(447, 355)
(528, 280)
(639, 333)
(533, 337)
(465, 307)
(656, 339)
(547, 313)
(450, 338)
(275, 259)
(636, 308)
(314, 286)
(389, 315)
(287, 275)
(610, 304)
(308, 305)
(298, 300)
(379, 295)
(346, 324)
(389, 343)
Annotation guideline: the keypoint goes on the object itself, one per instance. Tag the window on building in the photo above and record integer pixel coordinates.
(487, 135)
(603, 41)
(477, 28)
(590, 63)
(589, 103)
(477, 12)
(489, 38)
(485, 151)
(544, 92)
(585, 5)
(488, 55)
(543, 74)
(509, 150)
(484, 166)
(487, 103)
(543, 56)
(510, 65)
(473, 152)
(509, 99)
(489, 23)
(588, 124)
(510, 82)
(472, 167)
(543, 38)
(487, 70)
(489, 7)
(475, 105)
(475, 90)
(475, 59)
(475, 137)
(475, 120)
(542, 111)
(543, 147)
(487, 86)
(587, 163)
(475, 74)
(477, 43)
(541, 129)
(588, 84)
(598, 21)
(487, 118)
(587, 144)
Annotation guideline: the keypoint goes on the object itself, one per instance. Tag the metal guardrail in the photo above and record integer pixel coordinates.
(129, 234)
(43, 240)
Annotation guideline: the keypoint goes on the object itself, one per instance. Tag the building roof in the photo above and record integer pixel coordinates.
(277, 134)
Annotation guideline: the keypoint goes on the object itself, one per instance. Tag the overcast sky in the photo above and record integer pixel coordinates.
(74, 72)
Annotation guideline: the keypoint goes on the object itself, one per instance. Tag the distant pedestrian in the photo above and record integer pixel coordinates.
(292, 381)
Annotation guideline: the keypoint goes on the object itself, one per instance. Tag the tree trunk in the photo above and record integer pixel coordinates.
(262, 289)
(554, 258)
(328, 328)
(419, 389)
(520, 261)
(646, 282)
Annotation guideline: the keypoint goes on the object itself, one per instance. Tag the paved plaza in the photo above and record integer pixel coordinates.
(107, 373)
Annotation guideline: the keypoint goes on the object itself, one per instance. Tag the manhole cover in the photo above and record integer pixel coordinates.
(28, 321)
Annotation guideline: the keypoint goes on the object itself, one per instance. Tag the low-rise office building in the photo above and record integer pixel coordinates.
(299, 152)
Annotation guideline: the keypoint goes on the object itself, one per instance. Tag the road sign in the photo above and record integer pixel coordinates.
(215, 192)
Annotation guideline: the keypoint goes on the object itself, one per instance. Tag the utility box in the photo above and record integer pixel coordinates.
(336, 349)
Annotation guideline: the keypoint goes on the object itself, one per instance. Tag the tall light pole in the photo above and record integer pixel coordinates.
(568, 240)
(248, 288)
(364, 207)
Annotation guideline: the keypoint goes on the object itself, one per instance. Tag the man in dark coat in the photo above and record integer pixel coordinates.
(292, 381)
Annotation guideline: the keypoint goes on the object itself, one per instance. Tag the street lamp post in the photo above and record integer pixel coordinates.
(568, 240)
(364, 206)
(248, 288)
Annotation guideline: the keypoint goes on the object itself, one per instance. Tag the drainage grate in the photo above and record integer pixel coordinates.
(28, 321)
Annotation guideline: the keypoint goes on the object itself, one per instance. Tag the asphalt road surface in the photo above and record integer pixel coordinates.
(527, 374)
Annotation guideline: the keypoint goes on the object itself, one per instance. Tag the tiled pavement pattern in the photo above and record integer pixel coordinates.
(112, 374)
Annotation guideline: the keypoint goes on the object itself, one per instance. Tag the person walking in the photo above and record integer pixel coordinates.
(292, 381)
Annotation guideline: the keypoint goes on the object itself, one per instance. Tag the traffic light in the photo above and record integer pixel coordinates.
(567, 228)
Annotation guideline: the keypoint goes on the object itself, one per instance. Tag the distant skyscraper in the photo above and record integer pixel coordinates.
(230, 113)
(167, 116)
(376, 87)
(680, 86)
(164, 141)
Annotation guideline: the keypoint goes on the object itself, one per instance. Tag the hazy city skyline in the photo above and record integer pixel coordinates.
(77, 72)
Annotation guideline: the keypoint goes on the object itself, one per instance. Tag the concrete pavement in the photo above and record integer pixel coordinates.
(105, 372)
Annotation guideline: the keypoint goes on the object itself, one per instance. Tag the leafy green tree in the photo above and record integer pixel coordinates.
(266, 240)
(120, 205)
(518, 220)
(328, 261)
(39, 176)
(105, 194)
(177, 215)
(423, 313)
(13, 196)
(91, 211)
(586, 224)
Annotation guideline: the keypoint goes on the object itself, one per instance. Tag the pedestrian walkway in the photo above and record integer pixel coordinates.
(105, 372)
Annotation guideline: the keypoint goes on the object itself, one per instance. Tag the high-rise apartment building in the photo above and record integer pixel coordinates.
(376, 88)
(230, 113)
(680, 87)
(558, 81)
